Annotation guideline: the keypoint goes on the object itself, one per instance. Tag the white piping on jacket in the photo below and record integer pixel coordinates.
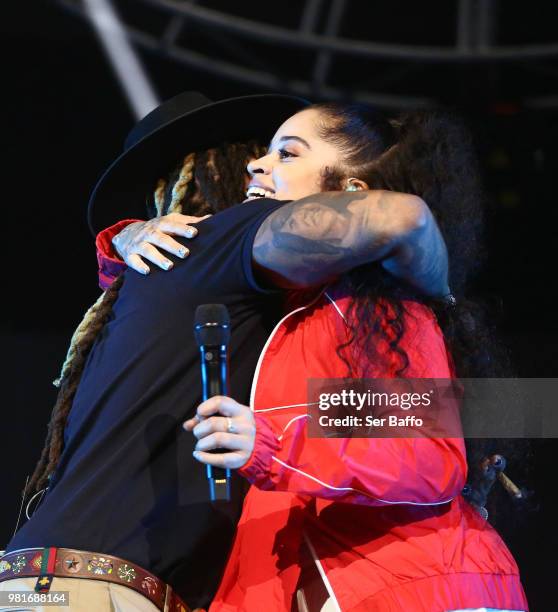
(335, 305)
(300, 416)
(323, 575)
(384, 501)
(283, 407)
(267, 343)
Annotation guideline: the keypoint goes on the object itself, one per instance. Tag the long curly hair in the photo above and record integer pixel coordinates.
(429, 154)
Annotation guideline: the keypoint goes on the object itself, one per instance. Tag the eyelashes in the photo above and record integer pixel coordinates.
(284, 154)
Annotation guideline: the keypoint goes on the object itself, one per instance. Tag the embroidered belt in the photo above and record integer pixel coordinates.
(69, 563)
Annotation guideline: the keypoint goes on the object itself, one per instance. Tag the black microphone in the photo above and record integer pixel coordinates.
(212, 329)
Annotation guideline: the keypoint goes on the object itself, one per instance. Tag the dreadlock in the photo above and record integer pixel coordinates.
(181, 185)
(82, 341)
(218, 179)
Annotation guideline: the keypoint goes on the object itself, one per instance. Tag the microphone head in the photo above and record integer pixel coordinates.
(212, 325)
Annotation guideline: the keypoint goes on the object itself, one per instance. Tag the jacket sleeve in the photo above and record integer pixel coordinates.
(110, 265)
(372, 471)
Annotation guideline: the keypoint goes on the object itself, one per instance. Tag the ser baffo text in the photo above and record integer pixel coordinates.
(410, 420)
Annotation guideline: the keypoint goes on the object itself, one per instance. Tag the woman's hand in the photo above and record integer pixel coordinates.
(221, 422)
(139, 240)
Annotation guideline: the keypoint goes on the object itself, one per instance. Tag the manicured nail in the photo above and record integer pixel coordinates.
(183, 252)
(167, 264)
(145, 270)
(196, 454)
(191, 233)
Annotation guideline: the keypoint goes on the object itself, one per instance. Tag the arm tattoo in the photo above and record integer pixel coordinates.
(422, 261)
(311, 238)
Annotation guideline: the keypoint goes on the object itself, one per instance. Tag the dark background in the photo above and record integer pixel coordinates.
(65, 119)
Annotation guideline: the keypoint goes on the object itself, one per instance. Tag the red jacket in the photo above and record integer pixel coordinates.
(383, 518)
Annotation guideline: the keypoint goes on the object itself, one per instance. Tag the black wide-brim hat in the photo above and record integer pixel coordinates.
(187, 123)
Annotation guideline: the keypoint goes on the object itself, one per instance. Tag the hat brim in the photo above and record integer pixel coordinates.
(121, 191)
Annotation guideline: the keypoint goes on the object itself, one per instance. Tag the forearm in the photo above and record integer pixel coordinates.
(313, 240)
(372, 471)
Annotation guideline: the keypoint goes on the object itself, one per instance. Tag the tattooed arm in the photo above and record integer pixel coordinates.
(313, 240)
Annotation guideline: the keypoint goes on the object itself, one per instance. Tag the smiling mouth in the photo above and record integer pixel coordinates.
(258, 192)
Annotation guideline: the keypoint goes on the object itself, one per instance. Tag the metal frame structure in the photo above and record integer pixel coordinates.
(474, 43)
(122, 56)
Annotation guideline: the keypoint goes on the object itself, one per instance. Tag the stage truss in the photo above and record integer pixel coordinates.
(318, 35)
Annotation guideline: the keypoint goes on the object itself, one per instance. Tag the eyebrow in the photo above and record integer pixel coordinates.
(297, 138)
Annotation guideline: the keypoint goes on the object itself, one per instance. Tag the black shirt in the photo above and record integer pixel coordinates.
(127, 483)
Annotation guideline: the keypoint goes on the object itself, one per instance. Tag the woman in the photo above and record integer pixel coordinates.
(384, 522)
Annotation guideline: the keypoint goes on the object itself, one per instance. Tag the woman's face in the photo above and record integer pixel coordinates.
(293, 166)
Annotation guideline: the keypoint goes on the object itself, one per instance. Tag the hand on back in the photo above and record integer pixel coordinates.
(143, 239)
